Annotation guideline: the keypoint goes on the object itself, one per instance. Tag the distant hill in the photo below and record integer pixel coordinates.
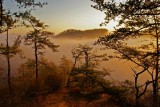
(82, 34)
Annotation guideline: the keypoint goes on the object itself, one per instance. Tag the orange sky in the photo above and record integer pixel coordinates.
(67, 14)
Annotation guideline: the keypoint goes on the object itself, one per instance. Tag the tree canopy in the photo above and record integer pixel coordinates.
(136, 18)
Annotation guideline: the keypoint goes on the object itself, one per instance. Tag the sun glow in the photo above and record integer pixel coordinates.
(111, 25)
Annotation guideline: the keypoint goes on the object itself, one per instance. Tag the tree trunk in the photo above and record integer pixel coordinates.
(74, 65)
(86, 60)
(1, 3)
(36, 62)
(155, 84)
(8, 64)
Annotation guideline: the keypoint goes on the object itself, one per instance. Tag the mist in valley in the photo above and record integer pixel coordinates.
(79, 53)
(70, 39)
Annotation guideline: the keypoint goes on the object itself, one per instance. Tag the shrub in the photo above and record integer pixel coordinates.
(53, 81)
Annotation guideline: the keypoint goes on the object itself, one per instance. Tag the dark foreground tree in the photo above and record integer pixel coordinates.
(50, 77)
(86, 61)
(90, 80)
(7, 50)
(136, 18)
(66, 67)
(21, 4)
(39, 38)
(7, 22)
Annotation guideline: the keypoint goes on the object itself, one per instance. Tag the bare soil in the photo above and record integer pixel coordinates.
(61, 98)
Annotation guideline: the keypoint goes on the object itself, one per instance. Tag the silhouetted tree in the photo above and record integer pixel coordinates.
(1, 12)
(86, 61)
(50, 76)
(39, 38)
(136, 18)
(66, 67)
(7, 50)
(90, 78)
(21, 4)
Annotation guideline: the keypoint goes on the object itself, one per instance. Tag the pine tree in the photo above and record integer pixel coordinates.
(136, 18)
(7, 50)
(39, 38)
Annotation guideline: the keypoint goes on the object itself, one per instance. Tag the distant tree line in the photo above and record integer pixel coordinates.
(82, 34)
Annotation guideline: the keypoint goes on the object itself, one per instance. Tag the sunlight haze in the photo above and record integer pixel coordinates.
(61, 15)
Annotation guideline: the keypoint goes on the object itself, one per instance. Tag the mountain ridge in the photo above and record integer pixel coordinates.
(82, 34)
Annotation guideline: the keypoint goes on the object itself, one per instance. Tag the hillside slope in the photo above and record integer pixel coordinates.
(79, 34)
(61, 98)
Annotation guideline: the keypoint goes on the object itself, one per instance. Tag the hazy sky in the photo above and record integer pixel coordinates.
(68, 14)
